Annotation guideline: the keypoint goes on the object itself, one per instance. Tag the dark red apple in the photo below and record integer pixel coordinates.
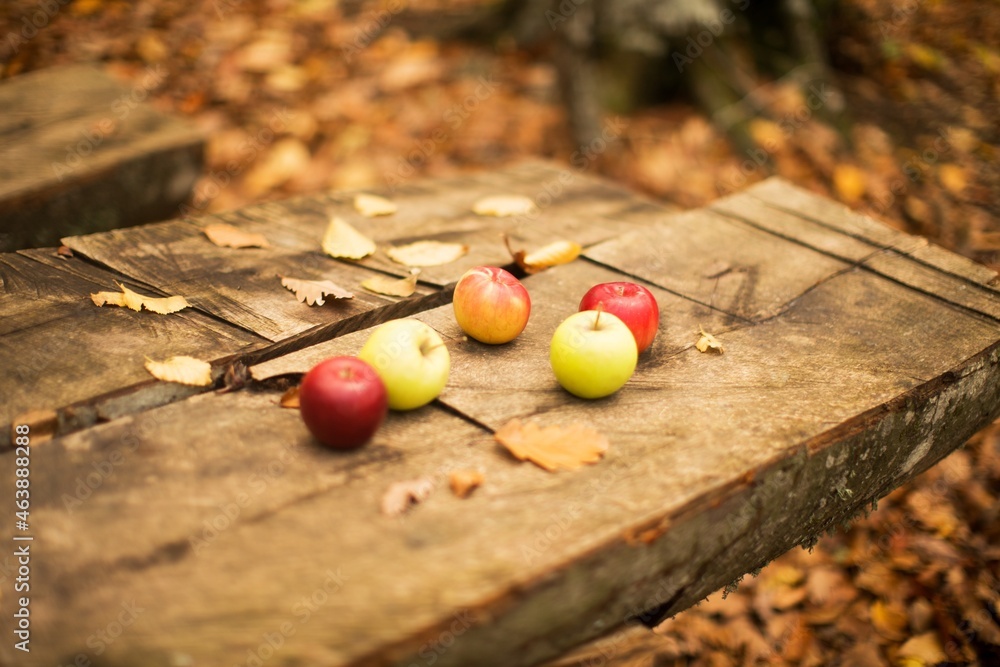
(632, 304)
(343, 402)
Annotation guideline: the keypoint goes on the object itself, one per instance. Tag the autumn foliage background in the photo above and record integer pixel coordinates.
(300, 96)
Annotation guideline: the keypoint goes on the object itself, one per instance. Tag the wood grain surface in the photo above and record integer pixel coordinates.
(83, 151)
(214, 530)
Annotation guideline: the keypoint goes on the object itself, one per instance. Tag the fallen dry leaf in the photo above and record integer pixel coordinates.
(227, 236)
(503, 206)
(464, 482)
(400, 496)
(64, 252)
(290, 399)
(341, 240)
(135, 301)
(426, 253)
(392, 286)
(184, 370)
(708, 342)
(314, 292)
(922, 650)
(889, 619)
(553, 447)
(553, 254)
(371, 206)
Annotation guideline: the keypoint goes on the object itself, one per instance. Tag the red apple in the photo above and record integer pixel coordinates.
(491, 305)
(633, 304)
(343, 401)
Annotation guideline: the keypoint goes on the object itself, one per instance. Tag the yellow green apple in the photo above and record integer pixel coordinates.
(411, 359)
(593, 354)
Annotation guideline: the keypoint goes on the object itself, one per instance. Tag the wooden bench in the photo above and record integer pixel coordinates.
(81, 151)
(178, 527)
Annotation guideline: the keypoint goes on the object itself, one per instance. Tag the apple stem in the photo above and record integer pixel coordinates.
(599, 309)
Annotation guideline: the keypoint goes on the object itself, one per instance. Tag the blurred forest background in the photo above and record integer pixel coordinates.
(890, 107)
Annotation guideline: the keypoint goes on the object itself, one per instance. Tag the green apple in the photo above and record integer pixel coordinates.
(593, 353)
(411, 359)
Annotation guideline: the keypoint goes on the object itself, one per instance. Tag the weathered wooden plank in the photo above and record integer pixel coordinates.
(724, 263)
(904, 261)
(240, 286)
(782, 195)
(717, 464)
(81, 152)
(572, 206)
(57, 348)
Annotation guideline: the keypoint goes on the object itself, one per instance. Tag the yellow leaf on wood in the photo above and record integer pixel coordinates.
(503, 206)
(314, 292)
(427, 253)
(553, 447)
(135, 301)
(184, 370)
(708, 342)
(371, 206)
(341, 240)
(227, 236)
(553, 254)
(290, 399)
(392, 286)
(464, 482)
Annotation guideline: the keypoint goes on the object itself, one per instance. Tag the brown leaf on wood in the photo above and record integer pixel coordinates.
(427, 253)
(464, 482)
(502, 206)
(227, 236)
(341, 240)
(708, 342)
(553, 447)
(372, 206)
(181, 369)
(400, 496)
(64, 252)
(392, 286)
(314, 292)
(553, 254)
(135, 301)
(290, 399)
